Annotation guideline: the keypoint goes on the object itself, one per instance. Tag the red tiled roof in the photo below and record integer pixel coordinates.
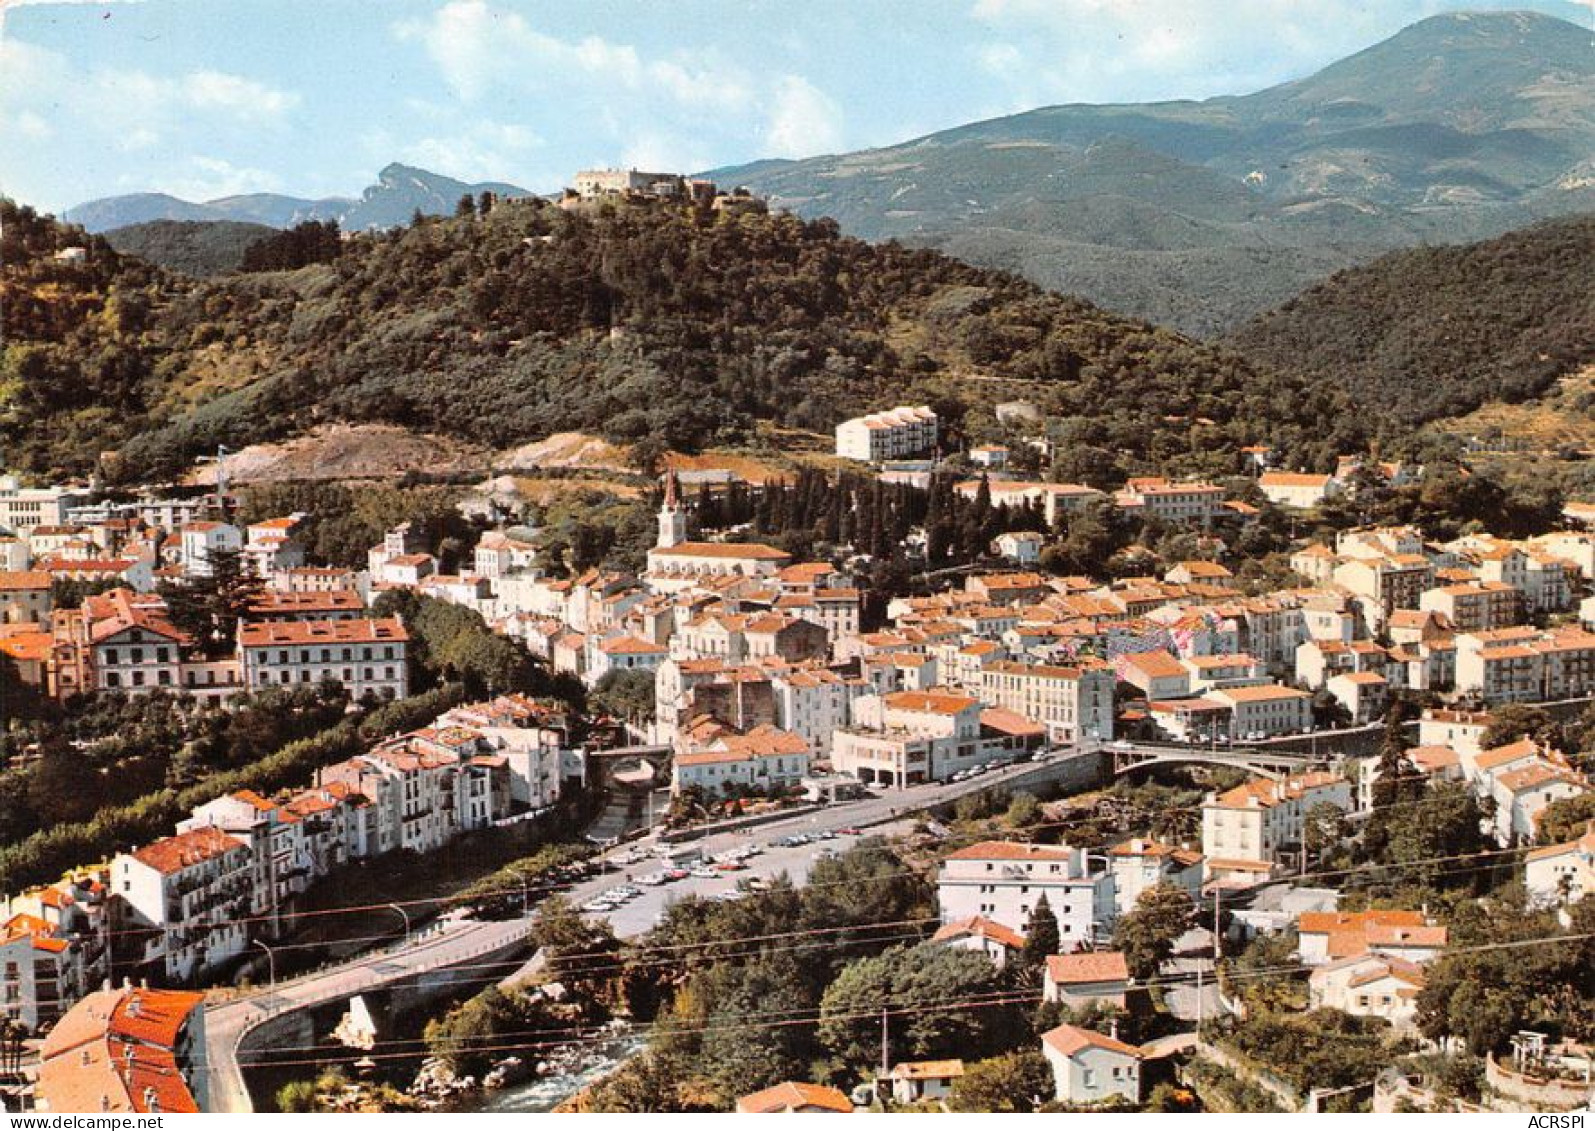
(1083, 969)
(362, 630)
(174, 853)
(1070, 1039)
(792, 1095)
(984, 928)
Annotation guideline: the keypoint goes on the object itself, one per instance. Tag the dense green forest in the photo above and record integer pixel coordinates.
(1435, 332)
(679, 324)
(189, 247)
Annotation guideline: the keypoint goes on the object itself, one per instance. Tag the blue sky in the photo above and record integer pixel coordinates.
(203, 98)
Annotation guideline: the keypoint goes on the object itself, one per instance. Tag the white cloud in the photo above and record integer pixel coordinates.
(236, 95)
(477, 46)
(804, 120)
(206, 178)
(482, 151)
(68, 125)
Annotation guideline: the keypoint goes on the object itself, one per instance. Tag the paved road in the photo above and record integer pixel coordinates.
(454, 942)
(226, 1022)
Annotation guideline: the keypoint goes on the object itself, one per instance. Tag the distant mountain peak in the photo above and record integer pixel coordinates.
(399, 191)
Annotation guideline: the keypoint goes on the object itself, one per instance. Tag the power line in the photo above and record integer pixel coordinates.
(784, 1017)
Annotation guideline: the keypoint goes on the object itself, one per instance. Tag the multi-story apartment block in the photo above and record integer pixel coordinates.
(498, 555)
(1526, 665)
(1386, 583)
(1075, 704)
(427, 787)
(1265, 710)
(1140, 864)
(54, 948)
(1260, 822)
(1174, 503)
(1475, 606)
(183, 904)
(1003, 881)
(272, 545)
(893, 434)
(23, 508)
(284, 867)
(814, 703)
(202, 540)
(909, 737)
(365, 656)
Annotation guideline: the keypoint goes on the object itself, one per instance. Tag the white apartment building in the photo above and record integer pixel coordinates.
(1074, 703)
(184, 903)
(1140, 864)
(908, 738)
(1261, 821)
(202, 539)
(1265, 710)
(892, 434)
(23, 508)
(365, 655)
(1003, 880)
(1525, 665)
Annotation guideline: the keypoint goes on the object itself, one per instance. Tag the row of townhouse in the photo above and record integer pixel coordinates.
(186, 906)
(125, 641)
(139, 552)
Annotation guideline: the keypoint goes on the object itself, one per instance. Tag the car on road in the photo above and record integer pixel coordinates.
(825, 834)
(1122, 744)
(848, 831)
(652, 879)
(976, 771)
(674, 874)
(705, 872)
(597, 906)
(731, 866)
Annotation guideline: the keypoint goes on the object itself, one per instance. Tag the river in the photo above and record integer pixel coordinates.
(545, 1093)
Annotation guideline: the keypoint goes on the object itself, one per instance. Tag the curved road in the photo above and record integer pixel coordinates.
(450, 943)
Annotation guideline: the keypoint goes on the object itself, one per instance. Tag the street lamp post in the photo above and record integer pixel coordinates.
(271, 962)
(406, 916)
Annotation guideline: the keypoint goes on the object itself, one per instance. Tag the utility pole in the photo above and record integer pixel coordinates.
(886, 1066)
(1218, 946)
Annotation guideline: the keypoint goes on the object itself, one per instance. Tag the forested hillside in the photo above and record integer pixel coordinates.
(190, 247)
(1435, 332)
(674, 325)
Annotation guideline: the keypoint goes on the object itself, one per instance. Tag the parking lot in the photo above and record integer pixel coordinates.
(644, 882)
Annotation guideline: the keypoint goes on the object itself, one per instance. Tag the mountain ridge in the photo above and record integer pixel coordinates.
(1456, 128)
(395, 196)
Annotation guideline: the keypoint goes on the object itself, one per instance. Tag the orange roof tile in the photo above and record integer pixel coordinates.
(1087, 968)
(1070, 1039)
